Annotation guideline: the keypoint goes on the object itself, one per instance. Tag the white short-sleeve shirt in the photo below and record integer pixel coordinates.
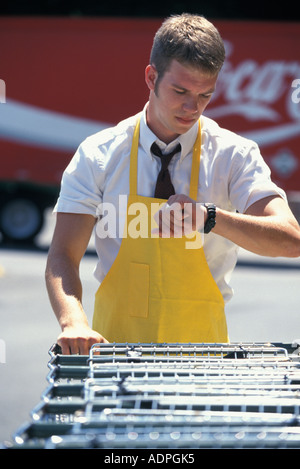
(233, 175)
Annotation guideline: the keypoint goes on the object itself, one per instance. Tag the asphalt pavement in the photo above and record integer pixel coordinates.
(265, 308)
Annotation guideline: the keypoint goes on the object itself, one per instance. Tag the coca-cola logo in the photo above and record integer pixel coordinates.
(260, 100)
(252, 90)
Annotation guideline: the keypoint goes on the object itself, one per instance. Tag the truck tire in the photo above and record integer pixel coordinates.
(21, 219)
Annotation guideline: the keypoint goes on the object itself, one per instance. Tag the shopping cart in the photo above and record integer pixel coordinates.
(179, 396)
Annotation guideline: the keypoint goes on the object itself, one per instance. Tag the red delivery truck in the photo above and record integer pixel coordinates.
(63, 79)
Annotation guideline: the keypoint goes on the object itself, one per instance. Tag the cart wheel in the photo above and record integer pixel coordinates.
(21, 219)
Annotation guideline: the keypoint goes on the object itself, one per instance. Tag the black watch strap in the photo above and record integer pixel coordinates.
(211, 217)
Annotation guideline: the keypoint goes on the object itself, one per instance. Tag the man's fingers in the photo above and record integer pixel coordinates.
(72, 344)
(84, 346)
(169, 226)
(178, 217)
(65, 345)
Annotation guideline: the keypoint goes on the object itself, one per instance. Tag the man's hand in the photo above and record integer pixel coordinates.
(180, 216)
(78, 340)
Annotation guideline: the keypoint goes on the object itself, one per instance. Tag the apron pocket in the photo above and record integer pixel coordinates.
(138, 290)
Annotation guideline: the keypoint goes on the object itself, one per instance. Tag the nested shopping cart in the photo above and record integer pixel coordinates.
(237, 395)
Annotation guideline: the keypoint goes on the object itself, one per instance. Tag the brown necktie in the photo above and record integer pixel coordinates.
(164, 187)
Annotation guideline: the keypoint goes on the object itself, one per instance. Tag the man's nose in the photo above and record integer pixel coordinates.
(191, 105)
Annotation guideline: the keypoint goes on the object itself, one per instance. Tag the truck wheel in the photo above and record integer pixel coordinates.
(21, 219)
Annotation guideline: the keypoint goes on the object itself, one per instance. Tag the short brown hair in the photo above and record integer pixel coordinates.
(190, 39)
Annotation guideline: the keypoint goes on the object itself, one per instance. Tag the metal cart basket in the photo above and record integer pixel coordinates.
(238, 395)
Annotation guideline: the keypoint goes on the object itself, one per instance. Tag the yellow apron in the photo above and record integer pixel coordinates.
(157, 290)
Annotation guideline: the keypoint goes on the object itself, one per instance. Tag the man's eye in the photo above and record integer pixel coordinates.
(179, 91)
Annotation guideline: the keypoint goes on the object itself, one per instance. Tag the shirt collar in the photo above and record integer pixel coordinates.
(147, 137)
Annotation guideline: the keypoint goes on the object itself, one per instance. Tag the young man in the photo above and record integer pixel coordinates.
(154, 287)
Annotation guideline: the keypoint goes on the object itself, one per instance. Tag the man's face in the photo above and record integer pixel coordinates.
(178, 100)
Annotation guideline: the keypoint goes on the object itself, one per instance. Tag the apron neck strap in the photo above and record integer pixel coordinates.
(134, 162)
(195, 166)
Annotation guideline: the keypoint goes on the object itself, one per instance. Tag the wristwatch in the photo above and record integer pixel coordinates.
(211, 217)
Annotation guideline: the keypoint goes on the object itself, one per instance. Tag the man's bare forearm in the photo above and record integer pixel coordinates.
(272, 235)
(268, 227)
(70, 240)
(65, 294)
(65, 291)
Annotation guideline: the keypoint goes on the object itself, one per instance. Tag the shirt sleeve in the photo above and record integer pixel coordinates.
(250, 178)
(80, 186)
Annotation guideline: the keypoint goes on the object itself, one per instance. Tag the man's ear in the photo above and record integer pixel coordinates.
(151, 76)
